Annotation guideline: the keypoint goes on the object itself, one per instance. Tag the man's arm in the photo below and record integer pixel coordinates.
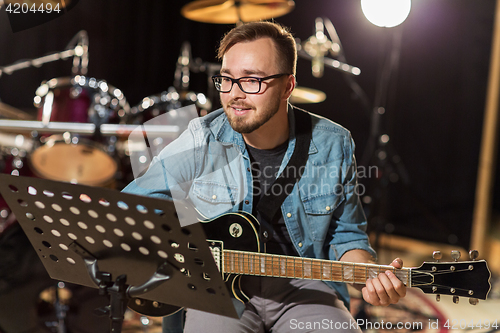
(383, 290)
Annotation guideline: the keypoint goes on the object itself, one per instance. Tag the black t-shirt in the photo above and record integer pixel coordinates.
(265, 166)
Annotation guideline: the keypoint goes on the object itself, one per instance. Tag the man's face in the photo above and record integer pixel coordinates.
(248, 112)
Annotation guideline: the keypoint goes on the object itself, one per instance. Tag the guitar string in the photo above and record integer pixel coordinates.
(318, 269)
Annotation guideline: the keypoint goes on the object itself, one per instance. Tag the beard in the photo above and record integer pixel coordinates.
(252, 120)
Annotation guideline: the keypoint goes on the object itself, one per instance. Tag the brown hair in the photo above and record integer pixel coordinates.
(248, 32)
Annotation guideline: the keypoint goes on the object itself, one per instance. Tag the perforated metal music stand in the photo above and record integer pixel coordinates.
(80, 232)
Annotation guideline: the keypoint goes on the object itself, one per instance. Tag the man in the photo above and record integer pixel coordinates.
(315, 219)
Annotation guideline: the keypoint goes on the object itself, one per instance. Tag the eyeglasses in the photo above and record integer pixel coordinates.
(249, 85)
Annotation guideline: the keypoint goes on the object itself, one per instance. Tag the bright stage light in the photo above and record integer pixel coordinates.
(386, 13)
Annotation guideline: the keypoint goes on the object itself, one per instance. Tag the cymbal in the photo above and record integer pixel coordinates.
(10, 112)
(302, 95)
(234, 11)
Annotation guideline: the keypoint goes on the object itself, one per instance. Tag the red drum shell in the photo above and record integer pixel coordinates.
(75, 158)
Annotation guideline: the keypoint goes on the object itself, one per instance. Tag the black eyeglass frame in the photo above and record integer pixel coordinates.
(237, 81)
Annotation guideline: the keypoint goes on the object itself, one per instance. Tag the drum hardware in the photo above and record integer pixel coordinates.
(332, 63)
(235, 11)
(181, 76)
(185, 65)
(8, 111)
(155, 105)
(317, 46)
(77, 51)
(118, 130)
(81, 58)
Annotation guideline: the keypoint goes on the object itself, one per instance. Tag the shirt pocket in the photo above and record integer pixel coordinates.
(212, 198)
(319, 210)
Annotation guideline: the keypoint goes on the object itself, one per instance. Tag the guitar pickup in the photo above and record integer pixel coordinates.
(216, 248)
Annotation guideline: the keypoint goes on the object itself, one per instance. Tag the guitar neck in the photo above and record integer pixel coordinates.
(263, 264)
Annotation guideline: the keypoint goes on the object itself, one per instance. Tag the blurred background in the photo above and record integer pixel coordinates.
(416, 110)
(434, 104)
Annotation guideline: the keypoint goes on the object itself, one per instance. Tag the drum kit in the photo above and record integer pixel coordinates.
(80, 134)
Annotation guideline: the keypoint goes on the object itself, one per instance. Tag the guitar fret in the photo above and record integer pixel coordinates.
(348, 274)
(246, 260)
(269, 265)
(326, 271)
(307, 268)
(372, 273)
(289, 267)
(277, 265)
(250, 264)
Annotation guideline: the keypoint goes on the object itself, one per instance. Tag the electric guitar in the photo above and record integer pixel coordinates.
(234, 241)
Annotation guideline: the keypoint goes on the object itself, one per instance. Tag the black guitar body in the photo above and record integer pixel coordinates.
(237, 231)
(234, 231)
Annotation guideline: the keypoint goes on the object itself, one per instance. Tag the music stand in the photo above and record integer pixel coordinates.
(91, 236)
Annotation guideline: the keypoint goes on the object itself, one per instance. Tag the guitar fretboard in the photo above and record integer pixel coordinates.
(263, 264)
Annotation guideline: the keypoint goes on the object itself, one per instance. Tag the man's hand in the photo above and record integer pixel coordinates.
(386, 288)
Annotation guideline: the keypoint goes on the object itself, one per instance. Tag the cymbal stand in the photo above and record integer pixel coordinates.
(185, 64)
(181, 76)
(76, 52)
(237, 6)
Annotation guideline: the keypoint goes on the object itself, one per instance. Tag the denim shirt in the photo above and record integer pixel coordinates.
(209, 165)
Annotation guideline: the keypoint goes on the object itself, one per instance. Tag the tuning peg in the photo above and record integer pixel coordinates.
(438, 298)
(473, 301)
(437, 255)
(455, 255)
(455, 299)
(473, 254)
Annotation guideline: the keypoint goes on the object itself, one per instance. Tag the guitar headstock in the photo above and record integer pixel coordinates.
(469, 279)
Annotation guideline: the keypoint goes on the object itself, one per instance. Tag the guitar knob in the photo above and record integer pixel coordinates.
(437, 255)
(455, 255)
(473, 254)
(473, 301)
(455, 299)
(438, 298)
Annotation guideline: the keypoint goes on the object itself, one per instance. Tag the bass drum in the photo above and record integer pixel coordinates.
(82, 159)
